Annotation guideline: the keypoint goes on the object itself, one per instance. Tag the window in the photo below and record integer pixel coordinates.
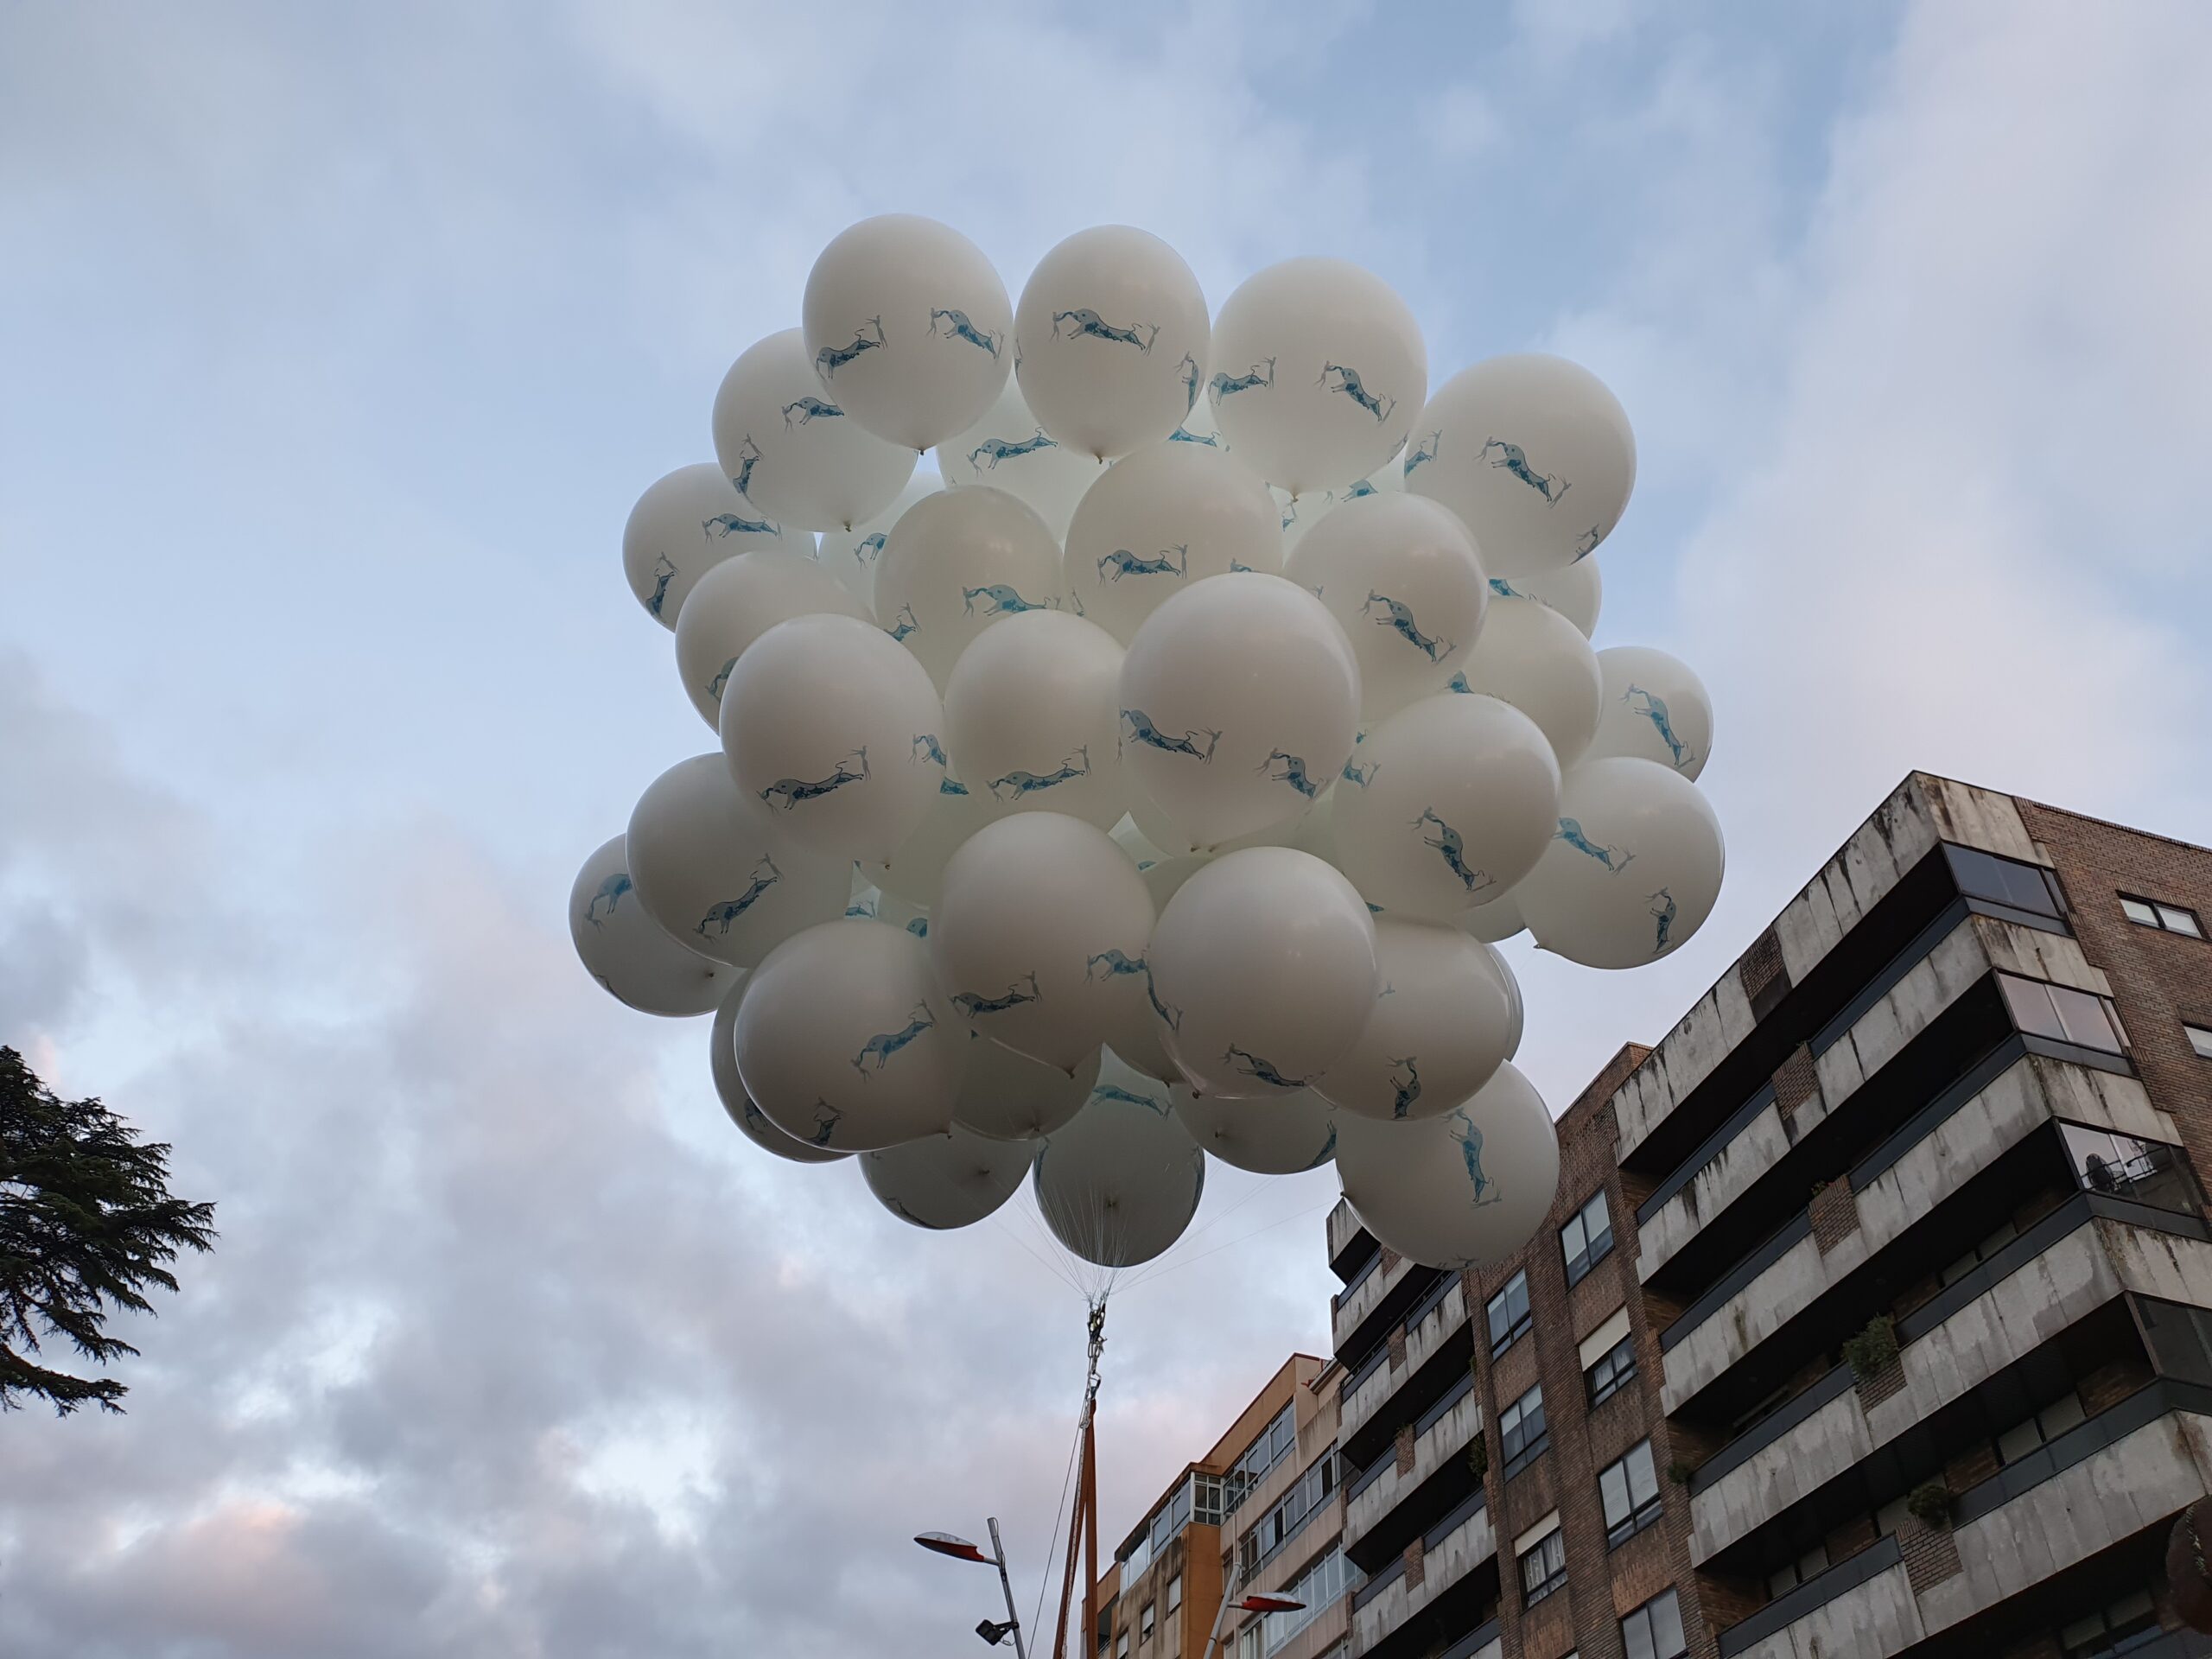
(2032, 1434)
(2062, 1014)
(1521, 1433)
(1543, 1566)
(1630, 1491)
(1248, 1644)
(1319, 1587)
(2143, 1171)
(1206, 1506)
(1655, 1629)
(1810, 1564)
(2005, 881)
(1268, 1448)
(1509, 1315)
(1175, 1597)
(1587, 1239)
(1144, 1623)
(2167, 918)
(2180, 1338)
(2108, 1631)
(1614, 1370)
(2200, 1040)
(1121, 1644)
(1289, 1513)
(1980, 1253)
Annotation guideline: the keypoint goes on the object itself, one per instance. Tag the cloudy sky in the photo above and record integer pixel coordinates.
(335, 345)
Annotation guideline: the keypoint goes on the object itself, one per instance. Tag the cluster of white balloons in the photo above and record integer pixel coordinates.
(1160, 782)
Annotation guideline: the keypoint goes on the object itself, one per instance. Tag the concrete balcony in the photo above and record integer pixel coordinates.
(1458, 1545)
(1351, 1306)
(1440, 1436)
(1426, 1328)
(1895, 1185)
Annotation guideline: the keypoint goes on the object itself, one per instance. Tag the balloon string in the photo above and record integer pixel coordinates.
(1311, 1209)
(1170, 1257)
(1045, 1579)
(1051, 1267)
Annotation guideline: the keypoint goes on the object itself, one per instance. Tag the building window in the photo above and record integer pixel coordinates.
(1587, 1239)
(1286, 1515)
(1615, 1370)
(2005, 881)
(2005, 1234)
(1175, 1597)
(1630, 1491)
(2062, 1013)
(1521, 1433)
(2142, 1171)
(1809, 1566)
(1144, 1623)
(2200, 1039)
(1655, 1629)
(1268, 1448)
(2167, 918)
(2106, 1632)
(1543, 1567)
(1319, 1587)
(1509, 1314)
(2032, 1434)
(1121, 1644)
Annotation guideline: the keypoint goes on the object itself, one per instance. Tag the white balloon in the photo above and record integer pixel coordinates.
(1010, 450)
(1319, 369)
(631, 957)
(708, 869)
(1633, 867)
(851, 555)
(1301, 513)
(735, 603)
(742, 1112)
(1533, 452)
(682, 527)
(1119, 1183)
(1039, 937)
(1517, 1024)
(944, 1181)
(845, 1041)
(907, 323)
(828, 724)
(1656, 708)
(1160, 520)
(1468, 1189)
(1199, 426)
(1157, 830)
(916, 871)
(1442, 1024)
(956, 564)
(1239, 704)
(1012, 1097)
(1113, 337)
(869, 903)
(1261, 972)
(1451, 801)
(794, 452)
(1577, 593)
(1535, 659)
(1031, 714)
(1497, 920)
(1267, 1137)
(1402, 576)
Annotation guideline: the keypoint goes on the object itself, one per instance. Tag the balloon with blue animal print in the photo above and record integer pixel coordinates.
(1113, 339)
(793, 453)
(1467, 1188)
(1261, 973)
(1534, 453)
(1319, 369)
(824, 719)
(1656, 708)
(1040, 937)
(846, 1040)
(1009, 450)
(1534, 657)
(1301, 513)
(850, 556)
(1632, 868)
(682, 527)
(940, 1182)
(1012, 1097)
(959, 560)
(1441, 1024)
(908, 327)
(1494, 921)
(752, 1123)
(709, 868)
(1264, 1137)
(1032, 717)
(869, 903)
(1577, 593)
(735, 604)
(1120, 1182)
(635, 960)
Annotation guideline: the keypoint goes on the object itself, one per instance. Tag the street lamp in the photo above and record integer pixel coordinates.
(960, 1549)
(1251, 1604)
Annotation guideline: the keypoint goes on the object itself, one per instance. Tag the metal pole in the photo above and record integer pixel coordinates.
(1006, 1585)
(1091, 1542)
(1220, 1617)
(1067, 1577)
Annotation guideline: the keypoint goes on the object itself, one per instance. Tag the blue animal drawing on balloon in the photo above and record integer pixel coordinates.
(1226, 384)
(1129, 1098)
(1398, 619)
(925, 747)
(1515, 459)
(1337, 377)
(1235, 565)
(904, 618)
(1356, 773)
(974, 1004)
(1654, 708)
(611, 890)
(748, 457)
(956, 327)
(830, 358)
(1292, 773)
(881, 1046)
(1406, 1089)
(1328, 1147)
(920, 927)
(869, 549)
(1447, 841)
(808, 410)
(1016, 783)
(1612, 858)
(1088, 322)
(1118, 961)
(723, 525)
(1586, 543)
(1505, 589)
(1361, 491)
(793, 790)
(826, 1118)
(862, 910)
(1423, 451)
(1181, 434)
(999, 449)
(1458, 683)
(722, 915)
(1122, 562)
(1290, 512)
(1253, 1065)
(1141, 730)
(1187, 371)
(999, 599)
(1462, 1129)
(1663, 912)
(721, 678)
(664, 573)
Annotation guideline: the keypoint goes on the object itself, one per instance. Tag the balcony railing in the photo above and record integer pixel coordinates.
(2079, 1444)
(1784, 1611)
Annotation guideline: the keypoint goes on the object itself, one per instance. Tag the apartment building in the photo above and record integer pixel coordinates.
(1284, 1536)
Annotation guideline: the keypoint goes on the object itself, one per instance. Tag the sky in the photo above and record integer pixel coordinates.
(335, 344)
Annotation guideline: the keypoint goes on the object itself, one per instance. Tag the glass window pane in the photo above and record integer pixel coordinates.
(2019, 1440)
(1635, 1635)
(1642, 1481)
(2180, 921)
(1612, 1490)
(2201, 1040)
(1667, 1627)
(2082, 1018)
(2060, 1415)
(2136, 911)
(2029, 1002)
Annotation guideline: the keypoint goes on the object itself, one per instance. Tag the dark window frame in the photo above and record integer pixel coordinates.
(1593, 1250)
(1637, 1516)
(1550, 1553)
(1517, 1325)
(1622, 1358)
(2161, 918)
(1645, 1612)
(1531, 1444)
